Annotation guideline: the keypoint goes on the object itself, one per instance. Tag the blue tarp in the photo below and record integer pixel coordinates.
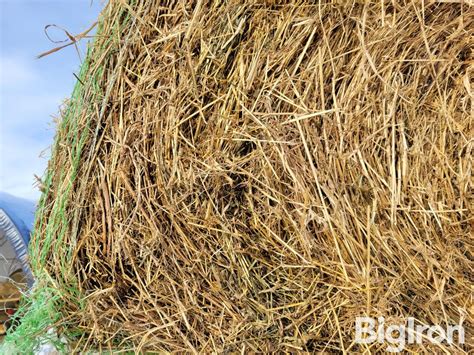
(21, 212)
(16, 221)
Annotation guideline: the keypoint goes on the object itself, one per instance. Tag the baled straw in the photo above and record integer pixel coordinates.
(253, 175)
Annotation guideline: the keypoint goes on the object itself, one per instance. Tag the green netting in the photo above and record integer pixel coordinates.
(39, 315)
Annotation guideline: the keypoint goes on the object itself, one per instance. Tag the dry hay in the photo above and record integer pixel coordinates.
(251, 176)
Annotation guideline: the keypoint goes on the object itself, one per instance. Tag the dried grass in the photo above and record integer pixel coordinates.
(251, 176)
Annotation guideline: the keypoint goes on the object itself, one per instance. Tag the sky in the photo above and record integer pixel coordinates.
(32, 90)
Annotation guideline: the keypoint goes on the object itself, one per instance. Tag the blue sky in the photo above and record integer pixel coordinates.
(31, 90)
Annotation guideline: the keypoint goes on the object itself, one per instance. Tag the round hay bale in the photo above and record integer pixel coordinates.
(234, 176)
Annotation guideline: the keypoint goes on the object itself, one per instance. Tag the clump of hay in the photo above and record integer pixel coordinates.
(251, 176)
